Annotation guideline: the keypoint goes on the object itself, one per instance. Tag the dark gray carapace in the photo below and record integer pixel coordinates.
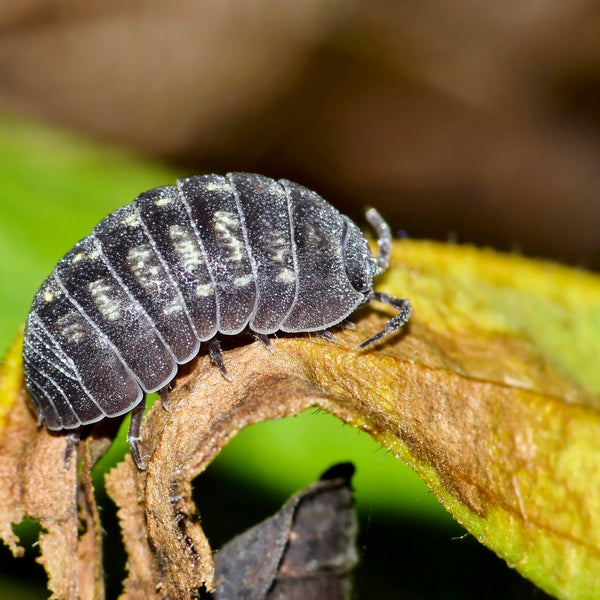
(181, 265)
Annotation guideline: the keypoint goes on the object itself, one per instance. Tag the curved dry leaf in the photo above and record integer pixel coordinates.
(491, 394)
(40, 481)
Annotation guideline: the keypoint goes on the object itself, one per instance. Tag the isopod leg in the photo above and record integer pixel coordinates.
(216, 357)
(403, 306)
(327, 335)
(72, 440)
(265, 340)
(133, 436)
(164, 397)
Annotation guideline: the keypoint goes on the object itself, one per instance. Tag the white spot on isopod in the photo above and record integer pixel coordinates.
(132, 220)
(280, 255)
(241, 281)
(143, 264)
(215, 186)
(286, 276)
(225, 220)
(100, 292)
(204, 290)
(186, 248)
(279, 249)
(173, 307)
(72, 330)
(226, 224)
(165, 201)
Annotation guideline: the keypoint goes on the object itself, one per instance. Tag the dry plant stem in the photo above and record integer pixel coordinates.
(49, 492)
(125, 484)
(91, 573)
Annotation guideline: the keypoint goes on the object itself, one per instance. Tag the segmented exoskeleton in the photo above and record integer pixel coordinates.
(181, 265)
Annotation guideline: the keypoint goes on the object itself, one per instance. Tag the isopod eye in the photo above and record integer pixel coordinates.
(359, 262)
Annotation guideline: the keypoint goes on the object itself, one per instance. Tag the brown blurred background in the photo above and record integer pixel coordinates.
(477, 121)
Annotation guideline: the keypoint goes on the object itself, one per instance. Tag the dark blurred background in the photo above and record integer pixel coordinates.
(471, 121)
(477, 121)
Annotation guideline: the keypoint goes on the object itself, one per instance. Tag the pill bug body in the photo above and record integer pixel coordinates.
(180, 265)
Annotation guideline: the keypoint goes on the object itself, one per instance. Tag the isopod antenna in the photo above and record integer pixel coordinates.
(384, 245)
(384, 238)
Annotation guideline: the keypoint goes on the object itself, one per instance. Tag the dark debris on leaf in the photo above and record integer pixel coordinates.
(306, 550)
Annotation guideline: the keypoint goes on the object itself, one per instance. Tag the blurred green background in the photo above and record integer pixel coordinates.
(476, 122)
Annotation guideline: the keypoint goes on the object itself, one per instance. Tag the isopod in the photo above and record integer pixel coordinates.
(182, 264)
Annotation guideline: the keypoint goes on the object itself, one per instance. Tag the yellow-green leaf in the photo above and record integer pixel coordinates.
(493, 399)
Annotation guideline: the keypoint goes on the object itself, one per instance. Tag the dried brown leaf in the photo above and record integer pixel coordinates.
(306, 550)
(37, 482)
